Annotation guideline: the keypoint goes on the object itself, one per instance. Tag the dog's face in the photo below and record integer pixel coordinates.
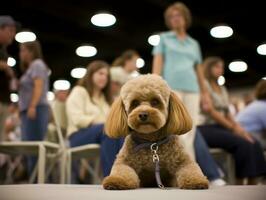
(147, 104)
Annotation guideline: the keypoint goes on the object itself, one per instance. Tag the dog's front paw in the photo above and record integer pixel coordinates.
(194, 183)
(118, 183)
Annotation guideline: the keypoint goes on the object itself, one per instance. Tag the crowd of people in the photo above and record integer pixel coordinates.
(83, 110)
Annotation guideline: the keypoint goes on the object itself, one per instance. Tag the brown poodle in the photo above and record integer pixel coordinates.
(152, 117)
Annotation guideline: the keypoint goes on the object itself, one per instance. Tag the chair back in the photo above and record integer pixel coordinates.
(58, 129)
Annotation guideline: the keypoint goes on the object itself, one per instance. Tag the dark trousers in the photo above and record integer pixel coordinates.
(94, 134)
(249, 158)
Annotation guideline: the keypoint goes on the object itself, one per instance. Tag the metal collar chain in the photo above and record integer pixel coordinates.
(155, 158)
(154, 146)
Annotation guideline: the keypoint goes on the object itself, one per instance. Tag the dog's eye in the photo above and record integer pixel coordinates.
(134, 103)
(155, 102)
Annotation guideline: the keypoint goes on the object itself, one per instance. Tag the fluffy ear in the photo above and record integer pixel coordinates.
(179, 121)
(116, 123)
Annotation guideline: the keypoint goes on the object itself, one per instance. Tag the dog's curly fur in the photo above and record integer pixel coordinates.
(164, 115)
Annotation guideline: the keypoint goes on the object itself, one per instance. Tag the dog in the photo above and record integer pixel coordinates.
(150, 115)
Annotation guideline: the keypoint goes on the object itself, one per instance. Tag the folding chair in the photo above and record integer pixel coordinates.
(89, 151)
(42, 149)
(39, 148)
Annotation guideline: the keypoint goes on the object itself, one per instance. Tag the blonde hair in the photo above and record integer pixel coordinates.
(183, 9)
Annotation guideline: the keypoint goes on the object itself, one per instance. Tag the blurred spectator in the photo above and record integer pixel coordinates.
(234, 105)
(58, 105)
(248, 98)
(7, 34)
(177, 58)
(87, 107)
(118, 78)
(220, 130)
(253, 117)
(33, 88)
(128, 61)
(122, 70)
(12, 124)
(16, 166)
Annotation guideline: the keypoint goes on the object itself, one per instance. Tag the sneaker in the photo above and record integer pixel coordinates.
(218, 182)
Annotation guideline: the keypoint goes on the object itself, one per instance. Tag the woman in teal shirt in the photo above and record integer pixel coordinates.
(177, 58)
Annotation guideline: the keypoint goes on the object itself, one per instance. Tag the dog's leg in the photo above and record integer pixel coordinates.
(190, 176)
(122, 177)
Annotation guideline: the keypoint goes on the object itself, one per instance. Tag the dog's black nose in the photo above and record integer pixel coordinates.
(143, 116)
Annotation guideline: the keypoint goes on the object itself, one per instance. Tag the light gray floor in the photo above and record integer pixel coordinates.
(95, 192)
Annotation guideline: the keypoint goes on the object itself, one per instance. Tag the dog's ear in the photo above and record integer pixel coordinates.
(116, 123)
(179, 121)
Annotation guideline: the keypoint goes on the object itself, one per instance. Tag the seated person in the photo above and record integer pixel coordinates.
(87, 107)
(253, 117)
(220, 130)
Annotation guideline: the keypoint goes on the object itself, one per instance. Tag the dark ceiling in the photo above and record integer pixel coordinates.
(62, 26)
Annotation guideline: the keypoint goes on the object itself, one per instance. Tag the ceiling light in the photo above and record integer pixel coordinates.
(103, 19)
(61, 85)
(221, 31)
(238, 66)
(25, 36)
(140, 63)
(261, 49)
(154, 40)
(78, 72)
(14, 97)
(86, 51)
(221, 80)
(11, 62)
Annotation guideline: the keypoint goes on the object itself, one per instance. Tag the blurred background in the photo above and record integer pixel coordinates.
(73, 33)
(63, 26)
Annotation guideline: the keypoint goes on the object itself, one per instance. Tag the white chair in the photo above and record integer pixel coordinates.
(38, 148)
(89, 151)
(44, 150)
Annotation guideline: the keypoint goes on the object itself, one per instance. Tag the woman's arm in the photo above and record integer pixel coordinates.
(157, 64)
(227, 123)
(200, 76)
(36, 95)
(238, 129)
(219, 118)
(204, 94)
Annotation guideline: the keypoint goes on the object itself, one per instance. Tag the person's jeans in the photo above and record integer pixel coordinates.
(34, 129)
(94, 134)
(204, 158)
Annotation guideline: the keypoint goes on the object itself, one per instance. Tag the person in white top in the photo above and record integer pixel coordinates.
(87, 107)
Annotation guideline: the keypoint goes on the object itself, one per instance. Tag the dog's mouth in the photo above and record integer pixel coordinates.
(146, 127)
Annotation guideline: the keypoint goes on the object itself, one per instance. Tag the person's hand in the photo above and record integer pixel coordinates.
(205, 101)
(238, 130)
(31, 112)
